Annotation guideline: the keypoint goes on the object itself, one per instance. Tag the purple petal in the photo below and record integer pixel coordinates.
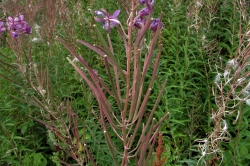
(2, 29)
(150, 6)
(112, 24)
(144, 12)
(18, 26)
(21, 17)
(116, 13)
(154, 25)
(10, 19)
(14, 34)
(138, 23)
(27, 29)
(16, 19)
(142, 1)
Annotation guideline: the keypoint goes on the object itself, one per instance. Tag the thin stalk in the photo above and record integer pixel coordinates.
(81, 59)
(135, 80)
(89, 155)
(10, 80)
(109, 53)
(128, 56)
(9, 65)
(156, 65)
(112, 83)
(144, 30)
(141, 113)
(107, 137)
(98, 93)
(154, 137)
(136, 84)
(110, 44)
(156, 104)
(144, 145)
(151, 49)
(148, 61)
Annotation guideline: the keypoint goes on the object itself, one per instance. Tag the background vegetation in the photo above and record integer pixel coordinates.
(205, 60)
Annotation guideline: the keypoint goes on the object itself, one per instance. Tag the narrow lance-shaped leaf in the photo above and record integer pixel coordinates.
(151, 49)
(109, 54)
(155, 105)
(85, 65)
(96, 92)
(140, 114)
(112, 83)
(107, 136)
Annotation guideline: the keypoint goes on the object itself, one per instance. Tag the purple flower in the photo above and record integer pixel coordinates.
(13, 23)
(14, 34)
(145, 1)
(18, 25)
(108, 21)
(154, 24)
(2, 28)
(26, 29)
(149, 3)
(142, 1)
(138, 23)
(143, 12)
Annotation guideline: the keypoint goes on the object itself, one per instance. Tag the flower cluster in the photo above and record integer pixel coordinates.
(16, 26)
(140, 18)
(109, 21)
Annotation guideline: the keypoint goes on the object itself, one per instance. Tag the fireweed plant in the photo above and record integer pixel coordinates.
(126, 118)
(16, 26)
(34, 83)
(231, 90)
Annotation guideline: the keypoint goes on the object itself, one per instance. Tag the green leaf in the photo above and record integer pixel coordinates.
(35, 159)
(243, 150)
(189, 162)
(24, 128)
